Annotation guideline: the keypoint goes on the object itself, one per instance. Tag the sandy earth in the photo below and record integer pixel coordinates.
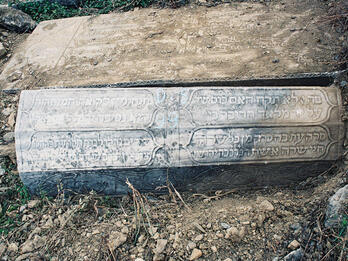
(238, 40)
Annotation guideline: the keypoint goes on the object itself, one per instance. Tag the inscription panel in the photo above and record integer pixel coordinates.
(115, 128)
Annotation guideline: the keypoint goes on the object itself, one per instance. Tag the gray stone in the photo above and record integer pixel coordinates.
(9, 136)
(2, 172)
(16, 20)
(90, 138)
(335, 207)
(225, 225)
(295, 255)
(60, 51)
(2, 50)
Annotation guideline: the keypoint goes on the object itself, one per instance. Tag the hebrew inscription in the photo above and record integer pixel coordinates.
(115, 128)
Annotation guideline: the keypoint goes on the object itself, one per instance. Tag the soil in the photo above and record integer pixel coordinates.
(264, 224)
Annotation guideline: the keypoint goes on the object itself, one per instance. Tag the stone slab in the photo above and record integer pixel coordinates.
(234, 40)
(101, 133)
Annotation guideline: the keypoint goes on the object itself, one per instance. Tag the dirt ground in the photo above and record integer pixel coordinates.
(266, 224)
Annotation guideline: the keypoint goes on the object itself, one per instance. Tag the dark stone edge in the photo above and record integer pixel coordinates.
(193, 179)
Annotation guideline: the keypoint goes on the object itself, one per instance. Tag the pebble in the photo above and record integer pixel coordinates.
(199, 237)
(334, 211)
(228, 259)
(294, 245)
(14, 76)
(343, 84)
(214, 249)
(2, 50)
(294, 255)
(2, 172)
(7, 111)
(265, 205)
(13, 247)
(199, 227)
(191, 245)
(22, 208)
(116, 239)
(196, 253)
(139, 259)
(11, 119)
(33, 203)
(160, 246)
(225, 225)
(275, 61)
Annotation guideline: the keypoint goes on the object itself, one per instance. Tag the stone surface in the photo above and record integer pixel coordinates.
(294, 245)
(16, 20)
(295, 255)
(9, 136)
(129, 133)
(335, 208)
(187, 43)
(196, 253)
(2, 50)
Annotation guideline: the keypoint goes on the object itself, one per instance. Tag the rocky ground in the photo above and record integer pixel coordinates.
(307, 221)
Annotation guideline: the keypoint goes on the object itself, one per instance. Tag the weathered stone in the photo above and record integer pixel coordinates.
(92, 138)
(185, 43)
(16, 20)
(116, 239)
(294, 245)
(295, 255)
(196, 253)
(9, 136)
(2, 50)
(335, 208)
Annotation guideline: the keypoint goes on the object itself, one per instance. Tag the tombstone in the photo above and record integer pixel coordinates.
(199, 138)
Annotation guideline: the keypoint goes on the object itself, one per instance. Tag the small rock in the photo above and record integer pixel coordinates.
(294, 255)
(191, 245)
(196, 253)
(2, 50)
(116, 239)
(233, 234)
(160, 246)
(228, 259)
(214, 249)
(334, 211)
(199, 237)
(7, 111)
(16, 20)
(295, 226)
(343, 84)
(33, 203)
(32, 244)
(277, 237)
(13, 247)
(15, 76)
(139, 259)
(22, 208)
(125, 230)
(294, 245)
(265, 205)
(199, 227)
(225, 225)
(11, 120)
(275, 60)
(9, 136)
(141, 238)
(2, 172)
